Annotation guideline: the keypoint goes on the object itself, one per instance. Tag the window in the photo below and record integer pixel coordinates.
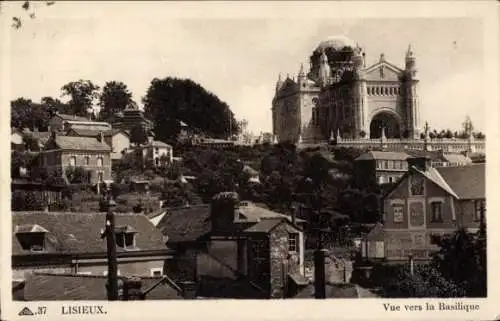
(386, 164)
(390, 179)
(391, 164)
(100, 176)
(397, 211)
(416, 185)
(156, 272)
(87, 160)
(437, 211)
(293, 242)
(99, 161)
(479, 205)
(72, 161)
(32, 241)
(125, 239)
(157, 150)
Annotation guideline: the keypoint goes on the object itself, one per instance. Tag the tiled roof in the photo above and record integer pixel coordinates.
(468, 182)
(457, 159)
(376, 234)
(185, 224)
(158, 143)
(339, 291)
(85, 132)
(254, 213)
(81, 232)
(264, 226)
(250, 171)
(80, 143)
(58, 287)
(383, 155)
(72, 117)
(432, 174)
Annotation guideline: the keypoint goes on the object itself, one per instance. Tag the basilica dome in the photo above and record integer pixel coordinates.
(336, 42)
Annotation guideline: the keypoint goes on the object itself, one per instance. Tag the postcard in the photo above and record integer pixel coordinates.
(249, 160)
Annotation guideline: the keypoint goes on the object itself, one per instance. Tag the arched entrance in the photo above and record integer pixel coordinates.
(385, 120)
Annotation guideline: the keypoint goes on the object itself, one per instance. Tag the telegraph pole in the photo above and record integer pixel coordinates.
(112, 285)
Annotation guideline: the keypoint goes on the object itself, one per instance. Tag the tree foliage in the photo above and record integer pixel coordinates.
(82, 94)
(138, 135)
(171, 100)
(115, 97)
(426, 282)
(459, 260)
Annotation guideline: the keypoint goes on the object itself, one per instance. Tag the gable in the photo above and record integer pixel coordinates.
(383, 71)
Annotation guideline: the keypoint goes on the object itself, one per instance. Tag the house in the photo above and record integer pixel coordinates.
(156, 153)
(55, 242)
(68, 152)
(379, 167)
(253, 175)
(235, 249)
(389, 166)
(63, 122)
(117, 139)
(51, 194)
(441, 158)
(43, 286)
(427, 202)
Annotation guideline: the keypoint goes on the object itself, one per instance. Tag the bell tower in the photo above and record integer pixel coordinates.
(411, 98)
(359, 94)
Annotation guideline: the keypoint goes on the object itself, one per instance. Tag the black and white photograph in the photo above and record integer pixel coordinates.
(170, 151)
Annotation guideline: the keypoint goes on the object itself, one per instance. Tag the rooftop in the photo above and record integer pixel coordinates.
(383, 155)
(69, 287)
(81, 232)
(80, 143)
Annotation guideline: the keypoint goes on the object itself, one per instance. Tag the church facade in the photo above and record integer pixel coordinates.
(340, 96)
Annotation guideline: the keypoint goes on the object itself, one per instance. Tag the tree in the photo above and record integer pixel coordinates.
(171, 100)
(82, 93)
(425, 282)
(55, 105)
(21, 113)
(138, 135)
(459, 261)
(115, 97)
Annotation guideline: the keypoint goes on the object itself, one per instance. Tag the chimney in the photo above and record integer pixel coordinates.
(294, 216)
(132, 289)
(53, 134)
(319, 274)
(189, 290)
(223, 211)
(420, 162)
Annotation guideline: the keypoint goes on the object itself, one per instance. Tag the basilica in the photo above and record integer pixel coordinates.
(339, 95)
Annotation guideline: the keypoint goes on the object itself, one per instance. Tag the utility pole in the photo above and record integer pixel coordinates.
(109, 234)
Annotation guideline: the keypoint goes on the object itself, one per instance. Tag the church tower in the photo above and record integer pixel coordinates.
(359, 94)
(411, 98)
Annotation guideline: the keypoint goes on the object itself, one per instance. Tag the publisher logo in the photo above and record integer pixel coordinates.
(26, 311)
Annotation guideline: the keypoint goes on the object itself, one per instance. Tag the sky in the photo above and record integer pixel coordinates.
(237, 55)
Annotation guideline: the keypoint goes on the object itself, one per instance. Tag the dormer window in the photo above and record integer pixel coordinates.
(31, 237)
(125, 237)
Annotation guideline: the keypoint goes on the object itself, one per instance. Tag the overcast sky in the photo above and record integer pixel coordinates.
(237, 56)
